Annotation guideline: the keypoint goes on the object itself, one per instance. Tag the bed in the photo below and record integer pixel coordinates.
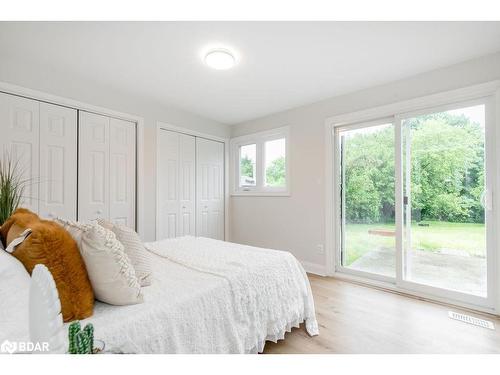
(210, 296)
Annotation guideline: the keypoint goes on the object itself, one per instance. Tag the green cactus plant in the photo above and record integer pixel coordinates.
(73, 329)
(89, 330)
(81, 341)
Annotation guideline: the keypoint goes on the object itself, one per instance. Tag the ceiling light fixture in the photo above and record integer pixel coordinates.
(220, 59)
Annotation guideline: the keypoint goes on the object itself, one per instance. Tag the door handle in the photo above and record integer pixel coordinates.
(99, 212)
(487, 200)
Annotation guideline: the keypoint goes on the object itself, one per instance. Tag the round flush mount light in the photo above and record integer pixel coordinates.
(220, 59)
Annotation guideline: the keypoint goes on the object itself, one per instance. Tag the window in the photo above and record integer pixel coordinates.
(248, 157)
(260, 163)
(275, 162)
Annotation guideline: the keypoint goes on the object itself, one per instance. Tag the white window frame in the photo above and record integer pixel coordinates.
(259, 139)
(436, 102)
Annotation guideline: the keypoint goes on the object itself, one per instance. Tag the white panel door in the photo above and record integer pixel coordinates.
(20, 137)
(210, 188)
(58, 161)
(122, 172)
(168, 184)
(93, 172)
(176, 185)
(187, 185)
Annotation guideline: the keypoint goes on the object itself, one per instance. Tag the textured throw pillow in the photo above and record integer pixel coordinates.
(49, 244)
(134, 248)
(110, 270)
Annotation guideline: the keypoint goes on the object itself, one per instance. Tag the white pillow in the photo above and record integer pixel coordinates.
(134, 248)
(14, 299)
(110, 271)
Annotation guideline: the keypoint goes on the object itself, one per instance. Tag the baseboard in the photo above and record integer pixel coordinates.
(317, 269)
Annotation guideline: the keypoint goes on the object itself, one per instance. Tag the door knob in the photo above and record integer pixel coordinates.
(99, 212)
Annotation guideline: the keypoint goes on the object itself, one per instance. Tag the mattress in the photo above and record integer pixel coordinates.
(231, 302)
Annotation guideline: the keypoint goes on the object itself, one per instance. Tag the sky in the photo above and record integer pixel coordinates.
(475, 114)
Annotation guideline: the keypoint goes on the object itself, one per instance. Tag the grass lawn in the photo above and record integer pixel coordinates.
(460, 237)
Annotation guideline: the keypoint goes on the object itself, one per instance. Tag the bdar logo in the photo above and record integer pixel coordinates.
(8, 347)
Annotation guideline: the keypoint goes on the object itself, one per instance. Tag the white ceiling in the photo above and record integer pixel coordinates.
(281, 64)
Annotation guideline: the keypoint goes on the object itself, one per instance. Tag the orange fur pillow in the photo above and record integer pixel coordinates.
(51, 245)
(13, 228)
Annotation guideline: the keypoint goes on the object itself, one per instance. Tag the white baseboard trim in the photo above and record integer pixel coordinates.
(317, 269)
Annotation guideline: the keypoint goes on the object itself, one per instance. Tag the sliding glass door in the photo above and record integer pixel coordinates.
(368, 223)
(416, 202)
(445, 196)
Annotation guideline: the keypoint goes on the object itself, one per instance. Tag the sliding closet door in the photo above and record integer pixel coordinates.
(168, 175)
(187, 185)
(176, 185)
(122, 172)
(93, 160)
(58, 159)
(210, 188)
(20, 137)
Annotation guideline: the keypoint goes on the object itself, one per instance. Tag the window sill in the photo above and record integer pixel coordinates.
(261, 194)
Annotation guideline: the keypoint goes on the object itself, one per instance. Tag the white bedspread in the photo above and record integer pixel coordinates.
(210, 296)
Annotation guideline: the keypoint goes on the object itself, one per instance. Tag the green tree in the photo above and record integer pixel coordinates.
(447, 170)
(369, 176)
(275, 172)
(246, 167)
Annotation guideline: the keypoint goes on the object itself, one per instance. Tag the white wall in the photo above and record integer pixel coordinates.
(36, 76)
(297, 223)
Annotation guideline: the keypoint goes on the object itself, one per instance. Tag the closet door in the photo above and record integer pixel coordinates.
(176, 185)
(58, 161)
(20, 137)
(93, 161)
(168, 184)
(122, 172)
(210, 188)
(187, 185)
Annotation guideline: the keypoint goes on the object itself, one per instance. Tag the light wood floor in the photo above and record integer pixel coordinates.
(358, 319)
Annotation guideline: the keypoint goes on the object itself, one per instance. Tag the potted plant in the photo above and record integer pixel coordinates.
(11, 187)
